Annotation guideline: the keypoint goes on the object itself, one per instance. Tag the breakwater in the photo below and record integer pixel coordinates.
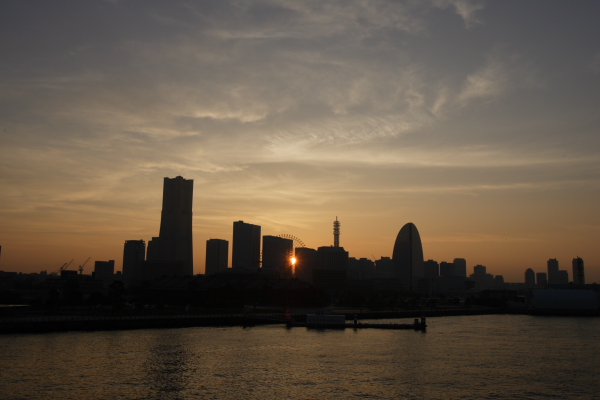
(62, 323)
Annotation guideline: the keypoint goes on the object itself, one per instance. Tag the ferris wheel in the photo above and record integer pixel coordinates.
(297, 242)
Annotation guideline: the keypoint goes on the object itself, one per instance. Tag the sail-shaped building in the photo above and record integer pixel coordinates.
(408, 258)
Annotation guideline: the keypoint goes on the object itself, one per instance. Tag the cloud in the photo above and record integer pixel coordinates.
(502, 73)
(315, 18)
(285, 111)
(468, 11)
(489, 82)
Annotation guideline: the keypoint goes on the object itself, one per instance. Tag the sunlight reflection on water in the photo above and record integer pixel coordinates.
(493, 356)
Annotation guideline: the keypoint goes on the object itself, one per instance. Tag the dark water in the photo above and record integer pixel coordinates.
(475, 357)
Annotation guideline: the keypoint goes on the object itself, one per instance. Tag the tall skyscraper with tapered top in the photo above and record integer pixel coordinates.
(174, 242)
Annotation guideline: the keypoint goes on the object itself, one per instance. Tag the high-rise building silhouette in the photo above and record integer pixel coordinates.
(498, 282)
(306, 261)
(174, 242)
(563, 277)
(408, 257)
(460, 267)
(330, 273)
(246, 247)
(482, 279)
(529, 278)
(332, 258)
(447, 269)
(553, 271)
(384, 268)
(541, 279)
(217, 254)
(431, 269)
(578, 272)
(479, 269)
(360, 269)
(104, 271)
(277, 254)
(134, 254)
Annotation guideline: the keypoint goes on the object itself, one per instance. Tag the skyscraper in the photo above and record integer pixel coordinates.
(578, 272)
(447, 269)
(431, 269)
(134, 254)
(306, 262)
(482, 279)
(553, 271)
(277, 254)
(408, 257)
(217, 253)
(174, 242)
(330, 271)
(332, 258)
(384, 267)
(541, 279)
(104, 271)
(529, 278)
(246, 247)
(563, 277)
(460, 267)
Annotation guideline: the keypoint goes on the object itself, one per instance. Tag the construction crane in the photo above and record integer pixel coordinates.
(83, 265)
(65, 266)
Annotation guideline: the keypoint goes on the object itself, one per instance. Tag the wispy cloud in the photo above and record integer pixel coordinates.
(284, 111)
(501, 74)
(467, 9)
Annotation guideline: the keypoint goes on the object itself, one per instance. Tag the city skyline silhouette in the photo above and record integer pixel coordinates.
(476, 121)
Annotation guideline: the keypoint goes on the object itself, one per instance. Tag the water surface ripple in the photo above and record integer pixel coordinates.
(469, 357)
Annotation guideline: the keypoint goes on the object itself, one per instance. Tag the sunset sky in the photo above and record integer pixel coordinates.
(477, 121)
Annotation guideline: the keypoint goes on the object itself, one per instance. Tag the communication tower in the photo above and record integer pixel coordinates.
(336, 233)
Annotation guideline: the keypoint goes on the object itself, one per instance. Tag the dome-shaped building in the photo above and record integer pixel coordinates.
(408, 257)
